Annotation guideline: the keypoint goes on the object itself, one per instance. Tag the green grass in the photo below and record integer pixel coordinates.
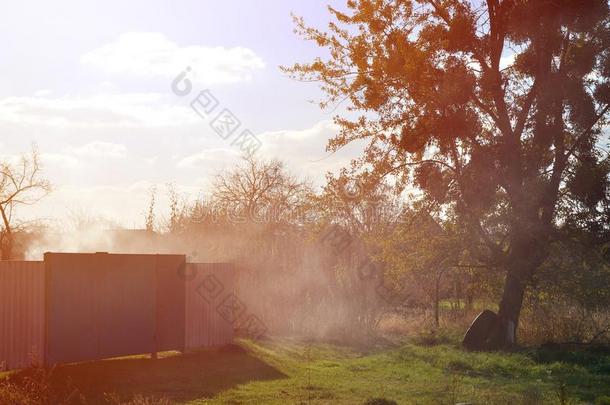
(289, 372)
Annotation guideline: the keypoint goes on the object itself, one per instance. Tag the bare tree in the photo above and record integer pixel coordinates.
(260, 191)
(150, 213)
(364, 205)
(178, 210)
(20, 184)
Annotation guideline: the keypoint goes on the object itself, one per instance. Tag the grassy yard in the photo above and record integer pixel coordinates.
(290, 372)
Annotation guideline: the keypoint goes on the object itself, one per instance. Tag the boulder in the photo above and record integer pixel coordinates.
(477, 335)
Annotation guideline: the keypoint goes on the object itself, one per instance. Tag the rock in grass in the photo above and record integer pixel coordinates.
(476, 337)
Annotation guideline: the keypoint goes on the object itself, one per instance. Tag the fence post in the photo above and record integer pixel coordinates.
(153, 354)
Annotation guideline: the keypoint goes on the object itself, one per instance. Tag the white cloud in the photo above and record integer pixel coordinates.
(104, 109)
(60, 160)
(100, 149)
(153, 55)
(43, 93)
(302, 150)
(308, 143)
(301, 147)
(207, 157)
(305, 149)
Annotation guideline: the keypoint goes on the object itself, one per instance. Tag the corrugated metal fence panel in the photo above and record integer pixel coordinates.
(99, 305)
(22, 316)
(210, 291)
(127, 305)
(170, 301)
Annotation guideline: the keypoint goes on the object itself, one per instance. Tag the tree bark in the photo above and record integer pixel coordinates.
(437, 287)
(436, 305)
(505, 337)
(6, 247)
(527, 254)
(6, 250)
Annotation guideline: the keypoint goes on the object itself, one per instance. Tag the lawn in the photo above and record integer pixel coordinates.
(286, 371)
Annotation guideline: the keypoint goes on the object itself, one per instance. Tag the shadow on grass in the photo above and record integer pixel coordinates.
(595, 359)
(177, 377)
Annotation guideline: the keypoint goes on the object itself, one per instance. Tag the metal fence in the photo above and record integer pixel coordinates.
(210, 289)
(22, 320)
(79, 307)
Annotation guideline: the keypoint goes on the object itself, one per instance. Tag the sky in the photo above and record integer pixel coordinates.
(90, 84)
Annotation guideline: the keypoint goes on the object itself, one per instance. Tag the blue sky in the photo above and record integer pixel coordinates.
(89, 83)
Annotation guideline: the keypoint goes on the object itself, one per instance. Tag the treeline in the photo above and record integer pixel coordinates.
(338, 261)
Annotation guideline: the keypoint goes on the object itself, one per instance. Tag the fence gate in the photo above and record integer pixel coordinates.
(170, 302)
(107, 305)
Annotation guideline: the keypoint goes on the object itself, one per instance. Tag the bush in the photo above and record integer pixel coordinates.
(603, 400)
(433, 337)
(33, 387)
(560, 320)
(36, 386)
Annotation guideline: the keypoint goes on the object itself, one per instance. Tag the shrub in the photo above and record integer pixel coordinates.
(33, 387)
(603, 400)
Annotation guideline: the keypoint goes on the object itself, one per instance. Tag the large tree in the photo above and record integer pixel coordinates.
(494, 109)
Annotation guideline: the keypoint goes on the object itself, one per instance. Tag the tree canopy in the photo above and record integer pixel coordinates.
(493, 109)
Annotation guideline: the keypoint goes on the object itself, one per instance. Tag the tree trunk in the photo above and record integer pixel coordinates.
(437, 287)
(7, 251)
(436, 304)
(505, 337)
(527, 254)
(6, 248)
(6, 245)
